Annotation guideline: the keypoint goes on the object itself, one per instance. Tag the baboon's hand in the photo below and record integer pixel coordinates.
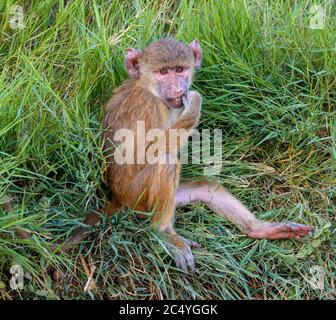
(192, 102)
(184, 259)
(180, 249)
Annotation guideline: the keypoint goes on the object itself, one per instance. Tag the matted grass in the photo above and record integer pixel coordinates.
(267, 80)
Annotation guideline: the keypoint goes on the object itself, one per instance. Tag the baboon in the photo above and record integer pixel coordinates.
(157, 94)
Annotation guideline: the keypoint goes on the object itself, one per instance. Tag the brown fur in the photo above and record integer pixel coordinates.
(166, 53)
(142, 187)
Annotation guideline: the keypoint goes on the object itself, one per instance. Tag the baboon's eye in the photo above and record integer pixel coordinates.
(179, 69)
(163, 71)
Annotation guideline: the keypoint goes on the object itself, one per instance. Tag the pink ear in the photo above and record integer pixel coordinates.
(132, 62)
(197, 50)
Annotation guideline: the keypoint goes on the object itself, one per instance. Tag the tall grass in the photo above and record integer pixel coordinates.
(267, 80)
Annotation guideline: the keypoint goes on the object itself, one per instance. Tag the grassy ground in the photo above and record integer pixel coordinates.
(268, 81)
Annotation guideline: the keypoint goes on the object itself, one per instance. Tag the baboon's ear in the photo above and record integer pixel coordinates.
(132, 62)
(197, 50)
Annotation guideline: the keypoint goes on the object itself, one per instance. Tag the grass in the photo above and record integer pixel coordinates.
(267, 80)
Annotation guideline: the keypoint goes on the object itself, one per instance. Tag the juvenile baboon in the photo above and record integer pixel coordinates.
(158, 95)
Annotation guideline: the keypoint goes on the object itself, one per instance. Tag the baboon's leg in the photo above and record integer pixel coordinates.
(226, 205)
(159, 182)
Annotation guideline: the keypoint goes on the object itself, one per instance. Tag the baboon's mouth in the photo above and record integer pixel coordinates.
(175, 103)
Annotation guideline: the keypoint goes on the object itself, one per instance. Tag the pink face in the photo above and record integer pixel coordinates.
(172, 84)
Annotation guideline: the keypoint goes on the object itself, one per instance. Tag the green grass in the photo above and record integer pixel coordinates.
(267, 80)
